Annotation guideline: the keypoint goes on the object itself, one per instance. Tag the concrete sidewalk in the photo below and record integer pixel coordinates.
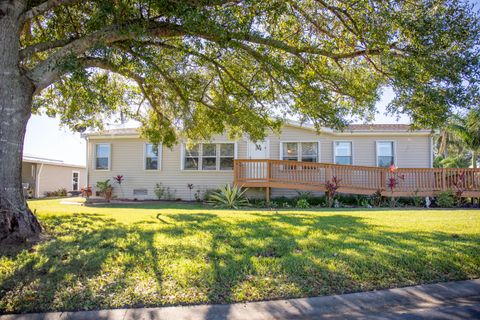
(449, 300)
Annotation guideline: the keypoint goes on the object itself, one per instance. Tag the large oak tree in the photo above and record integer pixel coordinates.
(193, 68)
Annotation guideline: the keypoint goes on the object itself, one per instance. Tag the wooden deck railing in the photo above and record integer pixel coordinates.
(356, 179)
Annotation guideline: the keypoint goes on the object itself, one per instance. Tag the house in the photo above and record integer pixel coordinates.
(190, 170)
(41, 175)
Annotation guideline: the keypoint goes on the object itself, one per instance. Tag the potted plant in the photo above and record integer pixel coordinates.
(86, 192)
(106, 189)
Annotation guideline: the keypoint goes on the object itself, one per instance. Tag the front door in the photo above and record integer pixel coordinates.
(75, 180)
(257, 150)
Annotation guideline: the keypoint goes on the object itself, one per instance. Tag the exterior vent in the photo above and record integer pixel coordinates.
(140, 192)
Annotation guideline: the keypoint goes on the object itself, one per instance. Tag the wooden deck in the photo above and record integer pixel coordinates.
(355, 179)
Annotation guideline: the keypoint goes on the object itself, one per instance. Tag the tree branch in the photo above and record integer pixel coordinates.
(43, 46)
(49, 70)
(44, 7)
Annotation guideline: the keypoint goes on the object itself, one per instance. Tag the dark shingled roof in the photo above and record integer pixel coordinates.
(378, 127)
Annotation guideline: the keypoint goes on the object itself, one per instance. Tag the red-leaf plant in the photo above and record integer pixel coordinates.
(119, 179)
(331, 188)
(393, 181)
(459, 188)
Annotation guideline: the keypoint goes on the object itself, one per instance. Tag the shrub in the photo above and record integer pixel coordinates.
(302, 204)
(207, 193)
(197, 196)
(229, 197)
(417, 200)
(159, 190)
(376, 199)
(446, 199)
(105, 188)
(62, 192)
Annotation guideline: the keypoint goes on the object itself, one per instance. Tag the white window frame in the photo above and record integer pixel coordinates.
(394, 146)
(299, 148)
(109, 156)
(334, 144)
(78, 182)
(159, 156)
(219, 155)
(200, 156)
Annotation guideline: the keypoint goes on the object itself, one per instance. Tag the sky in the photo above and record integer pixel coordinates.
(45, 138)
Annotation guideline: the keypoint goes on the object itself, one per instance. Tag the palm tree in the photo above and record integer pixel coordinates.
(467, 130)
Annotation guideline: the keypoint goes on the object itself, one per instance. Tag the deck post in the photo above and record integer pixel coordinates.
(236, 166)
(444, 179)
(269, 177)
(383, 182)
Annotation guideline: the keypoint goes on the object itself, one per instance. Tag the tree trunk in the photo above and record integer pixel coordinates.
(474, 159)
(17, 223)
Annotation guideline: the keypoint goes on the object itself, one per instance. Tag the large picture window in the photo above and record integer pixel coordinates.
(343, 152)
(385, 153)
(151, 156)
(300, 151)
(209, 157)
(102, 156)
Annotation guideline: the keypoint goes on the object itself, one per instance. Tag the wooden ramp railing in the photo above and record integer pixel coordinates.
(356, 179)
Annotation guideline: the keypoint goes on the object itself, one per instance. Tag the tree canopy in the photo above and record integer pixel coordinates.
(193, 68)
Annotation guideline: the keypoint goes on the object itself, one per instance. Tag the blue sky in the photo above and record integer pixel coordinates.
(45, 137)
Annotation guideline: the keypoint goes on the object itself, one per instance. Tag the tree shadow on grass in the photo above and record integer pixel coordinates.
(95, 262)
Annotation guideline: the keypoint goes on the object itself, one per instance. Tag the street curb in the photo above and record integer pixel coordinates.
(354, 305)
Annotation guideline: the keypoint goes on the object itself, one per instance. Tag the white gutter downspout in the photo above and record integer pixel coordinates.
(87, 178)
(431, 152)
(37, 181)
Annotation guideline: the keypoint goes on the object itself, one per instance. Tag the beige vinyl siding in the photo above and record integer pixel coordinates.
(52, 178)
(127, 157)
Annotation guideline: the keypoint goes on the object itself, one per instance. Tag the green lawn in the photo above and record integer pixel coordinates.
(151, 255)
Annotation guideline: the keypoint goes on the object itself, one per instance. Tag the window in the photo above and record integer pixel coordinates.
(343, 152)
(209, 157)
(385, 153)
(290, 151)
(227, 154)
(102, 156)
(300, 151)
(191, 161)
(75, 180)
(309, 151)
(151, 157)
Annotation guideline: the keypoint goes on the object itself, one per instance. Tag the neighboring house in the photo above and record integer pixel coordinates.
(41, 175)
(209, 165)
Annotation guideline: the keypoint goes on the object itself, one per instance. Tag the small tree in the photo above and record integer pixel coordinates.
(393, 181)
